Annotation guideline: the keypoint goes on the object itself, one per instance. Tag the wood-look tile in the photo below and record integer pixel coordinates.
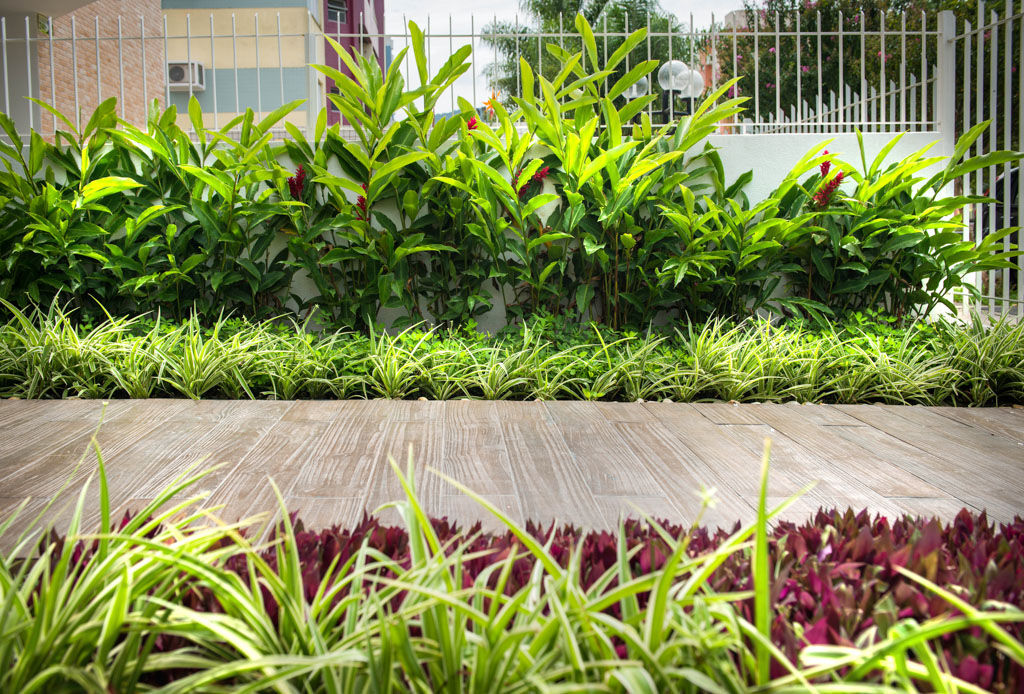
(574, 413)
(1001, 421)
(318, 410)
(624, 412)
(727, 412)
(474, 448)
(466, 511)
(222, 446)
(681, 473)
(416, 410)
(990, 464)
(655, 507)
(545, 473)
(423, 440)
(343, 462)
(851, 463)
(822, 415)
(319, 513)
(21, 448)
(516, 411)
(572, 462)
(734, 451)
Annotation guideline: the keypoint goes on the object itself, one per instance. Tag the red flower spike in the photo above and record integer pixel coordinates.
(472, 123)
(297, 182)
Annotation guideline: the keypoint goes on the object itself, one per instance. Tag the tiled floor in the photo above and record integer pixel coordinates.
(587, 463)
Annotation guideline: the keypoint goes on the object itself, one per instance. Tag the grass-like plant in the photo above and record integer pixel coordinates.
(174, 600)
(46, 355)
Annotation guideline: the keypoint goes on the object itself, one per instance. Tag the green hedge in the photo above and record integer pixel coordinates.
(862, 360)
(560, 203)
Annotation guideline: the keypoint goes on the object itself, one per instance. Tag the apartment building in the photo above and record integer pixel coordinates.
(230, 55)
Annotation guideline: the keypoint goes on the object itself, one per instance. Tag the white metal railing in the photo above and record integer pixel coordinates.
(817, 77)
(990, 58)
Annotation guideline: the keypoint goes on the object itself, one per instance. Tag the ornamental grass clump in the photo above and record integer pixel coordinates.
(47, 355)
(175, 600)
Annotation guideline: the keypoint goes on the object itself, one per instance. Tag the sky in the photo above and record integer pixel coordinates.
(483, 11)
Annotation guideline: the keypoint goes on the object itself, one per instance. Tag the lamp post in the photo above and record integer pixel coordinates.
(678, 79)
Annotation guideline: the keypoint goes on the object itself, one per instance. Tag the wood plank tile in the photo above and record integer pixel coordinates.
(735, 452)
(74, 410)
(1001, 421)
(416, 410)
(530, 411)
(549, 483)
(318, 410)
(624, 412)
(474, 448)
(991, 464)
(320, 513)
(655, 507)
(608, 465)
(727, 413)
(343, 462)
(23, 447)
(943, 508)
(850, 464)
(823, 415)
(573, 412)
(246, 494)
(223, 445)
(466, 511)
(681, 473)
(424, 438)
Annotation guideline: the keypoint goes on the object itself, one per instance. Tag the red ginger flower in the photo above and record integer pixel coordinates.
(824, 195)
(472, 123)
(297, 182)
(361, 204)
(538, 177)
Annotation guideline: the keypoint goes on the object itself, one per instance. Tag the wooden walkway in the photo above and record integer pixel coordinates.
(581, 462)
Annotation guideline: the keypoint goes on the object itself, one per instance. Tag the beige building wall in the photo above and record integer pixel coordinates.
(60, 60)
(190, 36)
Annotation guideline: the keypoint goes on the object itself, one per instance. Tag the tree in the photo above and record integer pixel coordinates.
(553, 22)
(796, 81)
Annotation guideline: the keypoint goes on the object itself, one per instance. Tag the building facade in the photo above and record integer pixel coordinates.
(230, 55)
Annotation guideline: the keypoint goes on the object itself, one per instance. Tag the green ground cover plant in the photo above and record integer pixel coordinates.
(169, 600)
(570, 202)
(45, 354)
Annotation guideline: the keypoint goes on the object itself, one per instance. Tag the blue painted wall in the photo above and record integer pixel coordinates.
(295, 87)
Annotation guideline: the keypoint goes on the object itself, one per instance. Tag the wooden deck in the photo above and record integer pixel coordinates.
(581, 462)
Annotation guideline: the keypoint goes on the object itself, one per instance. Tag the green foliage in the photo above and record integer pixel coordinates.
(893, 242)
(45, 355)
(570, 202)
(517, 43)
(175, 599)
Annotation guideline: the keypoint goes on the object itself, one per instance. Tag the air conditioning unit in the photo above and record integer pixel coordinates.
(186, 76)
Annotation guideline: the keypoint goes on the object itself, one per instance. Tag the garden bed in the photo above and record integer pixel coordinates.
(46, 355)
(165, 597)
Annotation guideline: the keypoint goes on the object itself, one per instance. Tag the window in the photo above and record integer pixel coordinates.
(330, 103)
(337, 11)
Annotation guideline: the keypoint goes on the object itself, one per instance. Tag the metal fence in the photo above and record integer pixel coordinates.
(990, 55)
(798, 77)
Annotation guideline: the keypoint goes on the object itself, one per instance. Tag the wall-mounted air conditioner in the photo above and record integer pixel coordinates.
(186, 76)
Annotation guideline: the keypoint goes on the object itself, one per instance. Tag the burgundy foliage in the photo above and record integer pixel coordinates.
(835, 576)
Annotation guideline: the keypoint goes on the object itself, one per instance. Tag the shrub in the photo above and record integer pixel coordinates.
(563, 205)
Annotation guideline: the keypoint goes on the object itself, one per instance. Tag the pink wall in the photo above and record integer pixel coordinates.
(333, 29)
